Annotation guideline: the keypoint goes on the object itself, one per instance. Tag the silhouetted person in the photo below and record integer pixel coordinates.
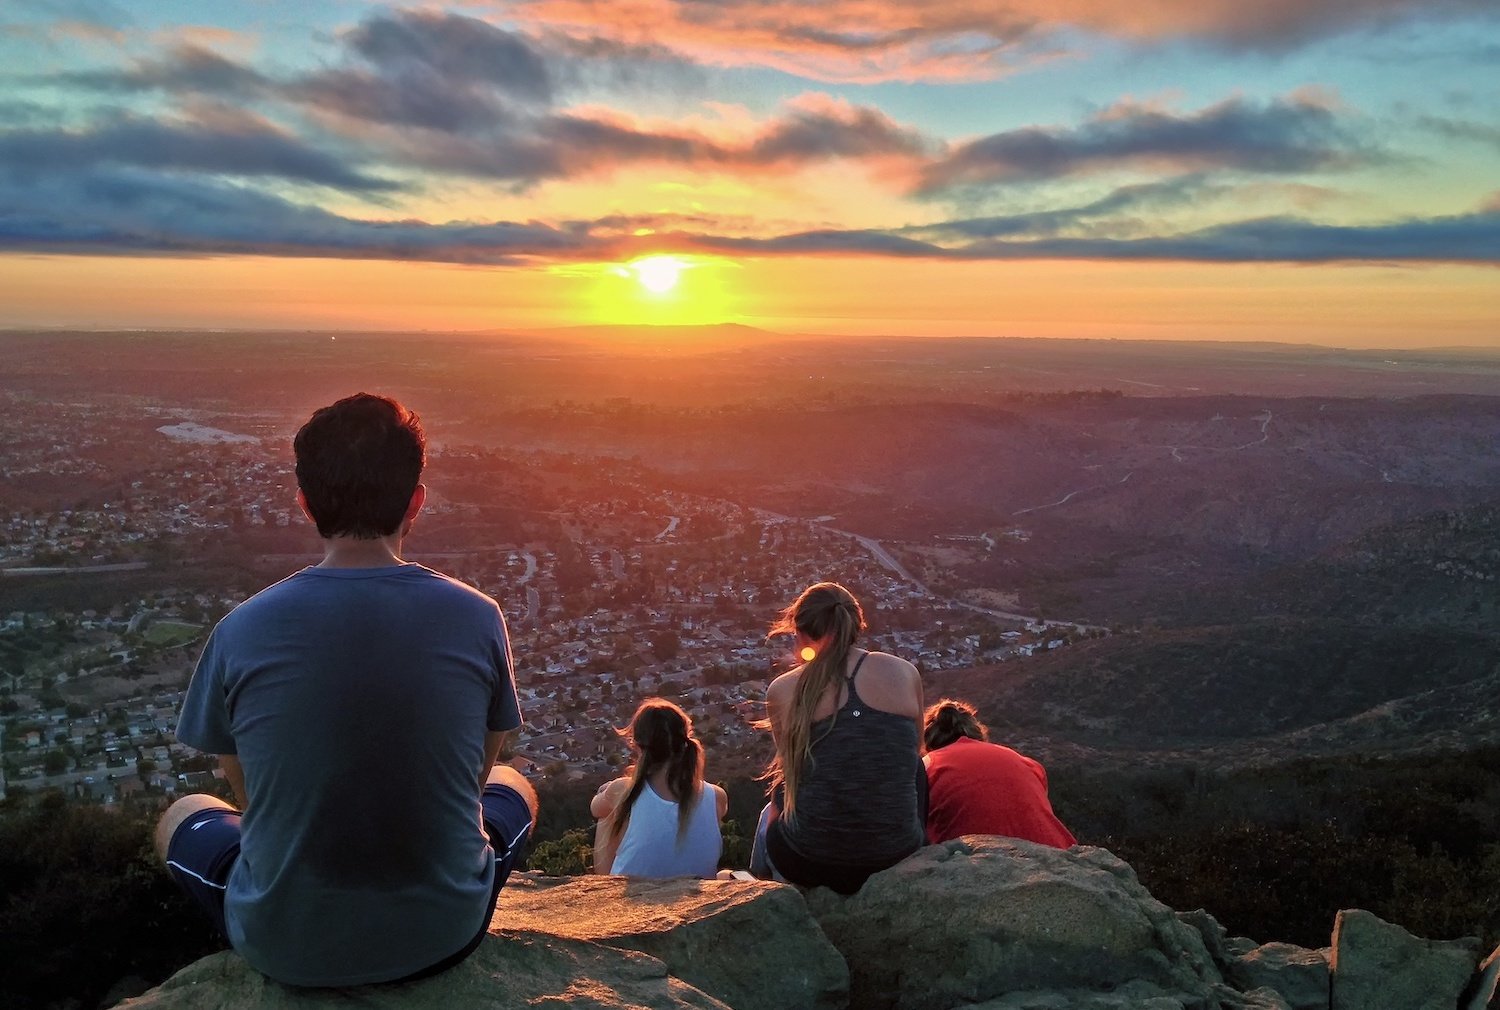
(357, 709)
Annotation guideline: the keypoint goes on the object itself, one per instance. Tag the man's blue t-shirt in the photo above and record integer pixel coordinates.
(357, 701)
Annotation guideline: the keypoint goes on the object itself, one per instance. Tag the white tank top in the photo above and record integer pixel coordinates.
(651, 847)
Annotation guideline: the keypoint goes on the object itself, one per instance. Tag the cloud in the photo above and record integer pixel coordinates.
(129, 212)
(1465, 238)
(455, 48)
(958, 39)
(185, 68)
(523, 148)
(1293, 134)
(415, 97)
(1100, 214)
(235, 146)
(826, 130)
(1461, 129)
(909, 41)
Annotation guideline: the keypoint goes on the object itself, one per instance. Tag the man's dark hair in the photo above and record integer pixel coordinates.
(358, 462)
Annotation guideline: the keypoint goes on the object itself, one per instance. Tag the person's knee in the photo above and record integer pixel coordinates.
(505, 775)
(173, 817)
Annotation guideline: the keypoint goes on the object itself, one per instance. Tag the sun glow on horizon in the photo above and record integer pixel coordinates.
(660, 289)
(658, 274)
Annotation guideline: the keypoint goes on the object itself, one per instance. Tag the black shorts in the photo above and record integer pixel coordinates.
(204, 848)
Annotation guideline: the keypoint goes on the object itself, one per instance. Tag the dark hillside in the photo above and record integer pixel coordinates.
(1194, 687)
(1439, 569)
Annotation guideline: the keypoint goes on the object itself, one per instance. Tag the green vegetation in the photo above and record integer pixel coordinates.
(1274, 852)
(168, 634)
(570, 855)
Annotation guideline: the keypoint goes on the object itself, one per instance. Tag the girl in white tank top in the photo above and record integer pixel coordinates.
(661, 819)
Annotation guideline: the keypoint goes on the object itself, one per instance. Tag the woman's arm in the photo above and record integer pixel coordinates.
(602, 806)
(778, 699)
(721, 800)
(916, 679)
(608, 797)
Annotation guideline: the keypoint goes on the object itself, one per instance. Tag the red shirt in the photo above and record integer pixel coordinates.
(978, 788)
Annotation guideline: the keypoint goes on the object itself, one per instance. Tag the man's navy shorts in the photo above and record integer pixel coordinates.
(205, 846)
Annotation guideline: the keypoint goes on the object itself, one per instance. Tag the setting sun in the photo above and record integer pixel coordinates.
(658, 274)
(659, 289)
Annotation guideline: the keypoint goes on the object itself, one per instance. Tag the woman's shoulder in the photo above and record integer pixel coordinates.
(783, 686)
(890, 684)
(888, 665)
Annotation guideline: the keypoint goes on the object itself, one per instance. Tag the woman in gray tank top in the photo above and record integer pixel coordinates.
(847, 781)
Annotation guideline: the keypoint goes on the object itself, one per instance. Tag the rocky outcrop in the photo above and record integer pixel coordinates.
(750, 943)
(978, 923)
(979, 918)
(1377, 964)
(521, 970)
(1298, 974)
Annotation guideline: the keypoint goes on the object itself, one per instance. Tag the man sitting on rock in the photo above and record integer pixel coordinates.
(357, 709)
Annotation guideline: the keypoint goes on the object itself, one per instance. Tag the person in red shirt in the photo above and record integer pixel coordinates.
(976, 787)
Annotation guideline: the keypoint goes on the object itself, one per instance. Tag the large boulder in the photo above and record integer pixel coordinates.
(1300, 975)
(516, 972)
(980, 918)
(1378, 964)
(751, 944)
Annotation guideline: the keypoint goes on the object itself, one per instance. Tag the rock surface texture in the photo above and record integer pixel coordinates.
(978, 923)
(517, 971)
(982, 918)
(1298, 974)
(1376, 964)
(751, 944)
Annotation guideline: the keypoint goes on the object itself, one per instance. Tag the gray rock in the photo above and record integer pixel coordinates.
(752, 944)
(1376, 964)
(1300, 975)
(1262, 998)
(1484, 993)
(1214, 935)
(518, 972)
(979, 917)
(1131, 996)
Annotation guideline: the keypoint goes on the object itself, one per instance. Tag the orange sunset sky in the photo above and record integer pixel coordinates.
(1289, 171)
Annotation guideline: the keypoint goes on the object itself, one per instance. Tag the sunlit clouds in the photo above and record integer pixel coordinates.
(572, 139)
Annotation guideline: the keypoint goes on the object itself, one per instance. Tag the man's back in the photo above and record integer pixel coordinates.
(357, 701)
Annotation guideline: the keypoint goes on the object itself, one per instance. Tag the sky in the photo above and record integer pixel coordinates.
(1323, 171)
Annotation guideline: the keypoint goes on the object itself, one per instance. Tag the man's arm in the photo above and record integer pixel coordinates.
(495, 741)
(234, 774)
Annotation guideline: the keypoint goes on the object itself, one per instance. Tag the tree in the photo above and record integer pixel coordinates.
(569, 855)
(55, 763)
(665, 644)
